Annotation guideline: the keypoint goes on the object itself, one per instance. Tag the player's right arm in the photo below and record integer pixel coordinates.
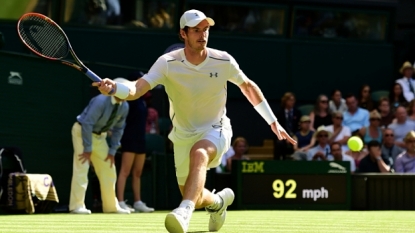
(135, 89)
(130, 91)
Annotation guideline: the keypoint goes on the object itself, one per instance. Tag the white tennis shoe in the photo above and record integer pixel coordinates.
(178, 220)
(217, 218)
(81, 210)
(142, 208)
(125, 206)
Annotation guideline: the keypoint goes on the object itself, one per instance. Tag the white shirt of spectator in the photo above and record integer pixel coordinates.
(342, 107)
(345, 132)
(347, 158)
(407, 93)
(225, 157)
(197, 94)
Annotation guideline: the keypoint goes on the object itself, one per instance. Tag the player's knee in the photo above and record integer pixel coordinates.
(200, 156)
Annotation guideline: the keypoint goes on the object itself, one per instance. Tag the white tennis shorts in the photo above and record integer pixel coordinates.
(184, 141)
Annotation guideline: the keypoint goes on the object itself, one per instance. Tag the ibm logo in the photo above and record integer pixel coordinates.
(214, 75)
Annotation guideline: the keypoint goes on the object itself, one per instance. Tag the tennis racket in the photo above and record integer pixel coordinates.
(46, 39)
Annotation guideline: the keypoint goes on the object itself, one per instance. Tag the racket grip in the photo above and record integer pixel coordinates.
(96, 78)
(93, 76)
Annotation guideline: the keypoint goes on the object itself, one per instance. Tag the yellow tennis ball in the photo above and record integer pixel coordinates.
(355, 143)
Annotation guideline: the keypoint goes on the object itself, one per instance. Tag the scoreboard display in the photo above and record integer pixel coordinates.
(292, 184)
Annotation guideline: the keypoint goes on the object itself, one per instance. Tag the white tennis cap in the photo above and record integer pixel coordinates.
(192, 18)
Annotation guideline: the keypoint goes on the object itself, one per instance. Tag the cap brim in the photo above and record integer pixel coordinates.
(195, 22)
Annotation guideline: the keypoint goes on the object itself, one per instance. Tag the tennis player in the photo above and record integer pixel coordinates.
(195, 79)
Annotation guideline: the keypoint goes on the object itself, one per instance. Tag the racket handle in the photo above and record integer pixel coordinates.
(96, 78)
(93, 76)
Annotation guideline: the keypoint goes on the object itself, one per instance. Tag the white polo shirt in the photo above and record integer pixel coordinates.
(197, 94)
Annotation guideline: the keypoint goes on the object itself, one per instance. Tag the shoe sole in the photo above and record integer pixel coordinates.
(172, 224)
(79, 213)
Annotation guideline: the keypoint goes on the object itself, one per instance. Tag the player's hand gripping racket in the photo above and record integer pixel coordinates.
(46, 39)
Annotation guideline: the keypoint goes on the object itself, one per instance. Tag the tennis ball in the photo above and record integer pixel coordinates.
(355, 143)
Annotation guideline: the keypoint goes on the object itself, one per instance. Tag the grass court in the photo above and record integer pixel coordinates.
(236, 222)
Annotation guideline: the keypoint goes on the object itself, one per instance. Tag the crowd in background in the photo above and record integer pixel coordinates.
(386, 125)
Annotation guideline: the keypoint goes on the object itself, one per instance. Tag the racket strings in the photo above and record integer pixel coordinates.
(44, 37)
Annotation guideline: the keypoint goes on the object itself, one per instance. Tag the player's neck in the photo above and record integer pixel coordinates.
(195, 56)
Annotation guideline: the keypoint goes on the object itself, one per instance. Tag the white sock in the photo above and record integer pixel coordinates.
(121, 202)
(187, 203)
(217, 204)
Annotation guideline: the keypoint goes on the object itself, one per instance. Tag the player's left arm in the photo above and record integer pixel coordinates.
(254, 94)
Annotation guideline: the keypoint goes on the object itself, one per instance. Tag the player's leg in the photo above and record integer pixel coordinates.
(79, 175)
(107, 176)
(217, 210)
(127, 162)
(191, 161)
(138, 166)
(201, 154)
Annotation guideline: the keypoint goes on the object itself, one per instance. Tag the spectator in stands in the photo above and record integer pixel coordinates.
(152, 125)
(133, 147)
(304, 139)
(407, 83)
(322, 150)
(405, 162)
(288, 116)
(338, 155)
(321, 113)
(411, 111)
(339, 132)
(374, 161)
(389, 149)
(222, 167)
(355, 117)
(240, 147)
(373, 131)
(357, 155)
(365, 99)
(402, 126)
(386, 115)
(337, 103)
(396, 97)
(113, 12)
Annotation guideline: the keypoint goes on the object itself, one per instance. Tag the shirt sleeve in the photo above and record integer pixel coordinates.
(236, 75)
(90, 117)
(157, 73)
(399, 168)
(117, 131)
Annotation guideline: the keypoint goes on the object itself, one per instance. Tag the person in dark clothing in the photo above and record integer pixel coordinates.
(289, 118)
(374, 161)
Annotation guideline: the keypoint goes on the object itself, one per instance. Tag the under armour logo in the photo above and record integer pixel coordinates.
(213, 74)
(196, 15)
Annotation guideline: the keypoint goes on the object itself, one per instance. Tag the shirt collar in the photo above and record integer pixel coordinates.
(198, 67)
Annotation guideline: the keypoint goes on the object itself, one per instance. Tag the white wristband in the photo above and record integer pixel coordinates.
(265, 111)
(122, 91)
